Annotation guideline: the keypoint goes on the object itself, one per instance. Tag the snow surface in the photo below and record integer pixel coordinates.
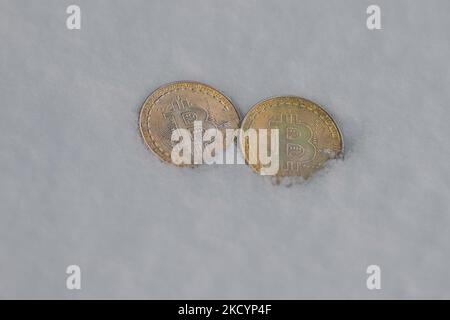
(78, 186)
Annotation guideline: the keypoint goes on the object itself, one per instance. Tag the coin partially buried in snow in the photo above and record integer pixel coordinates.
(308, 135)
(180, 105)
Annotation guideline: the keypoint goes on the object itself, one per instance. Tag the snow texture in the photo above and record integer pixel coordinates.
(78, 186)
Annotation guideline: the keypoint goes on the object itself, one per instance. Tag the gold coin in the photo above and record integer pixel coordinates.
(178, 105)
(308, 136)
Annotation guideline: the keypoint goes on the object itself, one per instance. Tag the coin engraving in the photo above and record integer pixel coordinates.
(308, 136)
(179, 105)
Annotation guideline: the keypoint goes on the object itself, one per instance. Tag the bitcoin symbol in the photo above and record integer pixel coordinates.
(183, 114)
(295, 140)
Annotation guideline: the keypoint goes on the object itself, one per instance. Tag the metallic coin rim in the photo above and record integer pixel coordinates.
(240, 143)
(160, 88)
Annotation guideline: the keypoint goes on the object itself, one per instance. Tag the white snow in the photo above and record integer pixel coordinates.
(78, 186)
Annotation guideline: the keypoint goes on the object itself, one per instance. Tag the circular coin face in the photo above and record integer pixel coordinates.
(178, 105)
(308, 136)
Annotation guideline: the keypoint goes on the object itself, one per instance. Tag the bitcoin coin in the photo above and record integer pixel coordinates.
(178, 105)
(308, 136)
